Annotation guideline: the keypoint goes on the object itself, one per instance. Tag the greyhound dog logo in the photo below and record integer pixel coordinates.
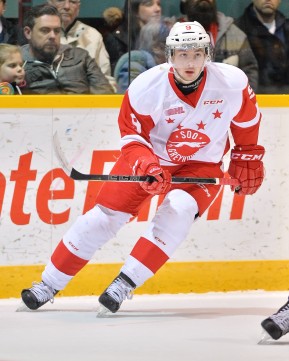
(183, 144)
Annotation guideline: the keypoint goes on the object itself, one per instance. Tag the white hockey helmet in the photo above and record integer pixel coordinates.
(187, 35)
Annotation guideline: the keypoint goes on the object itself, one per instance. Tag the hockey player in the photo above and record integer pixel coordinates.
(174, 120)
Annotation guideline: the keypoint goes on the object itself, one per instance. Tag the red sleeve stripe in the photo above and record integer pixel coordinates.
(67, 262)
(249, 114)
(250, 123)
(149, 254)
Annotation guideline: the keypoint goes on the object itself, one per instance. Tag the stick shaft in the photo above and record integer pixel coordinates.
(76, 175)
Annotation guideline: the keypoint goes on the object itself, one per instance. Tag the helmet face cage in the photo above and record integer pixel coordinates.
(186, 36)
(170, 50)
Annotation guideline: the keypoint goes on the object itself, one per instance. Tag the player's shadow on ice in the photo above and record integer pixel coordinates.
(193, 312)
(144, 315)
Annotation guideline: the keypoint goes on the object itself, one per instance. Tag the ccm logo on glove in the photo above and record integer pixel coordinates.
(244, 156)
(246, 165)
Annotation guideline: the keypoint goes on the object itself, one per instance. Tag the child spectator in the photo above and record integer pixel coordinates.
(11, 70)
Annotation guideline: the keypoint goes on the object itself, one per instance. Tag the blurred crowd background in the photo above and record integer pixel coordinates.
(94, 9)
(124, 38)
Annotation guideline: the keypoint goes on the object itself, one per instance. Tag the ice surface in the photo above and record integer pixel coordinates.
(191, 327)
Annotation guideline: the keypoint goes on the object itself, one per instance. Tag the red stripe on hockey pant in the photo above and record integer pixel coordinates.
(67, 262)
(149, 254)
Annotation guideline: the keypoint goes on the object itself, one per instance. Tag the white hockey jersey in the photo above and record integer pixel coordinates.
(194, 128)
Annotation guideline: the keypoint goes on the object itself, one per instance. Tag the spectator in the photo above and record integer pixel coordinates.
(268, 34)
(78, 34)
(11, 69)
(113, 17)
(52, 68)
(142, 11)
(8, 31)
(151, 52)
(230, 44)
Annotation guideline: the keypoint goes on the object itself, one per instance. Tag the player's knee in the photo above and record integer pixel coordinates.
(112, 219)
(175, 216)
(181, 203)
(172, 222)
(101, 219)
(96, 226)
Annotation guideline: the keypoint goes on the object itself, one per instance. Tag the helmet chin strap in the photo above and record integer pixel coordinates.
(187, 88)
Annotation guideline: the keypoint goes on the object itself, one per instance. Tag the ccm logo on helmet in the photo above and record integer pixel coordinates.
(238, 156)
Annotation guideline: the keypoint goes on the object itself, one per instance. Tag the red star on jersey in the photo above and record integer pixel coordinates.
(201, 125)
(170, 120)
(217, 114)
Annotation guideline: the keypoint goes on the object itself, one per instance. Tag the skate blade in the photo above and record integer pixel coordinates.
(23, 308)
(266, 339)
(102, 311)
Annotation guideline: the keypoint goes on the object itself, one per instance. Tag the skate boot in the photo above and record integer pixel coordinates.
(38, 295)
(121, 288)
(277, 325)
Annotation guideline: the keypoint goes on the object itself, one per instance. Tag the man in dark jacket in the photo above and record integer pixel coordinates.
(268, 33)
(52, 68)
(230, 44)
(8, 31)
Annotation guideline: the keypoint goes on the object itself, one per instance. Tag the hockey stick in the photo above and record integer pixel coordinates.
(76, 175)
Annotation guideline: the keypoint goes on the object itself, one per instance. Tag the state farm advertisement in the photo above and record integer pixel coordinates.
(38, 201)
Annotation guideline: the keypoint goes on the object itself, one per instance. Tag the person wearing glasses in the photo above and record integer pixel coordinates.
(76, 33)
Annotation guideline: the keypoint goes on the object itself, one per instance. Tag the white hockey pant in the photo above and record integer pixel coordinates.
(169, 227)
(90, 231)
